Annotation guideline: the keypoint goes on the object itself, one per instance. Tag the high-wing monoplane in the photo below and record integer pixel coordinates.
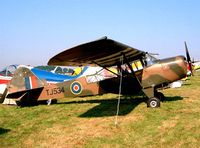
(116, 66)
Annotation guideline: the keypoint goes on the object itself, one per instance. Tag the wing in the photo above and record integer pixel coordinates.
(104, 52)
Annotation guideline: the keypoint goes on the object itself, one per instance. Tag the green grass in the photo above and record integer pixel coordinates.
(90, 122)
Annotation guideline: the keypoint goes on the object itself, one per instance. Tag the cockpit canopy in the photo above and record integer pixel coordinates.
(8, 71)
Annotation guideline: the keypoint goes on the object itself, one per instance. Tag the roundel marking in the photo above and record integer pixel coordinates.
(76, 88)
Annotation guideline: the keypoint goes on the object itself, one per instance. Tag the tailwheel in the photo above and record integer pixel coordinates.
(49, 102)
(160, 96)
(153, 102)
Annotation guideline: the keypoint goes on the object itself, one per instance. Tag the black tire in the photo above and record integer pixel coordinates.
(153, 102)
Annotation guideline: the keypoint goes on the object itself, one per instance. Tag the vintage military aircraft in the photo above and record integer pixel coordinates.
(119, 66)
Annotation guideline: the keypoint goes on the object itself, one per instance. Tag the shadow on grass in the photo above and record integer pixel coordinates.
(174, 98)
(3, 131)
(187, 84)
(108, 107)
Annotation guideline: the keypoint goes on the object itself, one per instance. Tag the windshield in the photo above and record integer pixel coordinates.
(149, 59)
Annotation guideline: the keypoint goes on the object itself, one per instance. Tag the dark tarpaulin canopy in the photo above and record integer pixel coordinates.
(103, 52)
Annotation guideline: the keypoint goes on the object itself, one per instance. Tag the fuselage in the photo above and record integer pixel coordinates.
(159, 74)
(165, 71)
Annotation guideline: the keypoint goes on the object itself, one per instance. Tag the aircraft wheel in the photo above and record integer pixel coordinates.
(153, 102)
(160, 96)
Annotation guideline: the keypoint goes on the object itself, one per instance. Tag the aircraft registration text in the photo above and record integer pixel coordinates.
(55, 91)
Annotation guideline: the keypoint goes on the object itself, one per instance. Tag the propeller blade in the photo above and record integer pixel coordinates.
(188, 58)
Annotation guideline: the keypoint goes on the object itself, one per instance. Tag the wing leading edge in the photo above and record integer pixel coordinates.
(104, 52)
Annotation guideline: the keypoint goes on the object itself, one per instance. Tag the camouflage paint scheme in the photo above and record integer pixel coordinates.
(26, 87)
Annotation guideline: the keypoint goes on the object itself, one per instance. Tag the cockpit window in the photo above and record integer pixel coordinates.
(137, 65)
(150, 59)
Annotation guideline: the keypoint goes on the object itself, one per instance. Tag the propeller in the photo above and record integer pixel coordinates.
(188, 58)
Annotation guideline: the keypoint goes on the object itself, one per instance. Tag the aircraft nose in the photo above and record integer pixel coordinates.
(176, 67)
(181, 66)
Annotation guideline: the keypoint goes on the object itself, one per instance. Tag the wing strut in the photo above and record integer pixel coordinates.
(106, 68)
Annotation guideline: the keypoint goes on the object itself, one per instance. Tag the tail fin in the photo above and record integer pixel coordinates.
(23, 80)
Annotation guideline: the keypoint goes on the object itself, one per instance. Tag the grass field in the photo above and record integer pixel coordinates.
(90, 122)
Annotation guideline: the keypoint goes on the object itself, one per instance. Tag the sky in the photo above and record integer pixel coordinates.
(33, 31)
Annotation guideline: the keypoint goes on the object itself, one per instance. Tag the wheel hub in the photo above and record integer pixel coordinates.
(153, 103)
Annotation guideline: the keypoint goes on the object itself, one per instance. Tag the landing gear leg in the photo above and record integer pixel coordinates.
(159, 95)
(153, 100)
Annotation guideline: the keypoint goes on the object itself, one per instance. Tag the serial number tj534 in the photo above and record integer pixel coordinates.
(55, 91)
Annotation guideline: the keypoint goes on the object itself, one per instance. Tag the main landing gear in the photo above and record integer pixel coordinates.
(154, 97)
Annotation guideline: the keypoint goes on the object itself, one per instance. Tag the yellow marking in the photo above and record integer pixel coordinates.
(134, 67)
(137, 65)
(114, 70)
(77, 71)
